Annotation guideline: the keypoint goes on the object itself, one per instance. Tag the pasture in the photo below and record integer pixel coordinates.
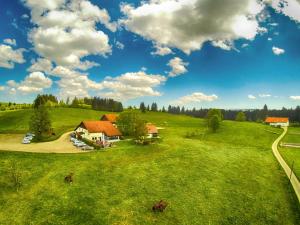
(229, 177)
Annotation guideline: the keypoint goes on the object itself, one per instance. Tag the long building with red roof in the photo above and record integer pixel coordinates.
(277, 121)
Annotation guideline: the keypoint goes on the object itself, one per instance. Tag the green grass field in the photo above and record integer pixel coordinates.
(229, 177)
(63, 120)
(292, 155)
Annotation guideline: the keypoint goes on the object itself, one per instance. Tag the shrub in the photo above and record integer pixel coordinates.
(14, 175)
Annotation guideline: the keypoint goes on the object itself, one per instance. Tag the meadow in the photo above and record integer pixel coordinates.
(292, 155)
(229, 177)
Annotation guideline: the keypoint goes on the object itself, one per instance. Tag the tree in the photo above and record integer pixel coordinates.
(140, 129)
(163, 109)
(214, 117)
(213, 112)
(240, 117)
(130, 123)
(142, 107)
(40, 123)
(214, 123)
(154, 107)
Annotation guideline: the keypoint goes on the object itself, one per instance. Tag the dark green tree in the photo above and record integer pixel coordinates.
(40, 123)
(240, 117)
(142, 107)
(214, 123)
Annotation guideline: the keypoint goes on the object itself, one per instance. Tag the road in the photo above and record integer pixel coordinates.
(12, 142)
(293, 179)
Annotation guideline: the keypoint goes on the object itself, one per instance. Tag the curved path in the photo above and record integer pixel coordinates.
(12, 142)
(293, 179)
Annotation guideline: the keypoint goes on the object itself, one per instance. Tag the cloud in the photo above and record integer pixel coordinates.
(132, 85)
(264, 95)
(71, 24)
(24, 16)
(2, 88)
(278, 51)
(119, 45)
(290, 8)
(188, 24)
(9, 41)
(178, 67)
(195, 97)
(295, 97)
(33, 83)
(42, 65)
(160, 50)
(10, 56)
(251, 97)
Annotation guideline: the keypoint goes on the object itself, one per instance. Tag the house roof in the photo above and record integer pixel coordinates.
(105, 127)
(151, 128)
(109, 117)
(277, 120)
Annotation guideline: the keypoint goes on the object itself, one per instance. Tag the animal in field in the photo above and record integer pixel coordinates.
(160, 206)
(69, 178)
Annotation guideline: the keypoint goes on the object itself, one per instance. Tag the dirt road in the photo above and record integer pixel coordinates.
(12, 142)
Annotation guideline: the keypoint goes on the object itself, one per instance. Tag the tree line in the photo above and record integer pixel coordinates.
(256, 115)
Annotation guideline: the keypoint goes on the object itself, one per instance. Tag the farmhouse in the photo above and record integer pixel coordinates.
(110, 117)
(277, 121)
(98, 131)
(152, 130)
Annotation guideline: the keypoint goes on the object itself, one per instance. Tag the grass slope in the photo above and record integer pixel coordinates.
(63, 119)
(230, 177)
(292, 155)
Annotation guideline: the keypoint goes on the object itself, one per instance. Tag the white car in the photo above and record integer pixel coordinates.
(81, 144)
(87, 147)
(25, 141)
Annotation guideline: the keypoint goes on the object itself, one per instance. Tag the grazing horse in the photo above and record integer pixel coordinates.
(69, 178)
(160, 206)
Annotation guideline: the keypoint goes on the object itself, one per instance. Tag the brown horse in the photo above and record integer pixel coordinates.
(160, 206)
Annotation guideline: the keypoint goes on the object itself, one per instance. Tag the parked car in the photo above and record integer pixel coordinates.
(30, 135)
(25, 141)
(81, 144)
(87, 147)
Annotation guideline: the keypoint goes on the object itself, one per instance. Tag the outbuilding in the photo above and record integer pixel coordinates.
(277, 121)
(152, 130)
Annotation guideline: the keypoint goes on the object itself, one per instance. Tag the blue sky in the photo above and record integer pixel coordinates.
(153, 51)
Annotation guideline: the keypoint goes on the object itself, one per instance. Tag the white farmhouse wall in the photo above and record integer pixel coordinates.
(280, 124)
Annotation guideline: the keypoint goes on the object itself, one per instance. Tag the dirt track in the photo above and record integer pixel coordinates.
(12, 142)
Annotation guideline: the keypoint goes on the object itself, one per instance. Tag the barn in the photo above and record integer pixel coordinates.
(110, 117)
(277, 121)
(98, 131)
(152, 130)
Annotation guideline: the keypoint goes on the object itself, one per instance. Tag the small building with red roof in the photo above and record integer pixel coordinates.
(152, 130)
(98, 131)
(110, 117)
(277, 121)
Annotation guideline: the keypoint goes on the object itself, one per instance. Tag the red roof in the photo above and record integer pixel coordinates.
(151, 128)
(277, 120)
(109, 117)
(101, 127)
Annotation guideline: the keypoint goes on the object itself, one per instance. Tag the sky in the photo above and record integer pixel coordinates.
(236, 54)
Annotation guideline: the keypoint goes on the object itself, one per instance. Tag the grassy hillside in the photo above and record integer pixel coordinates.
(230, 177)
(63, 119)
(292, 155)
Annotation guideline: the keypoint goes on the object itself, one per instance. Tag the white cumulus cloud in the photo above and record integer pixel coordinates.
(195, 97)
(9, 41)
(290, 8)
(160, 50)
(66, 31)
(33, 83)
(295, 97)
(188, 24)
(278, 51)
(251, 97)
(10, 56)
(264, 95)
(178, 67)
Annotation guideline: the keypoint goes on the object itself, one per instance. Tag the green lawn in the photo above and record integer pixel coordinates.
(293, 135)
(230, 177)
(63, 119)
(292, 155)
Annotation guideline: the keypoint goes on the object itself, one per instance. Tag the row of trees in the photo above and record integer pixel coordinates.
(239, 115)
